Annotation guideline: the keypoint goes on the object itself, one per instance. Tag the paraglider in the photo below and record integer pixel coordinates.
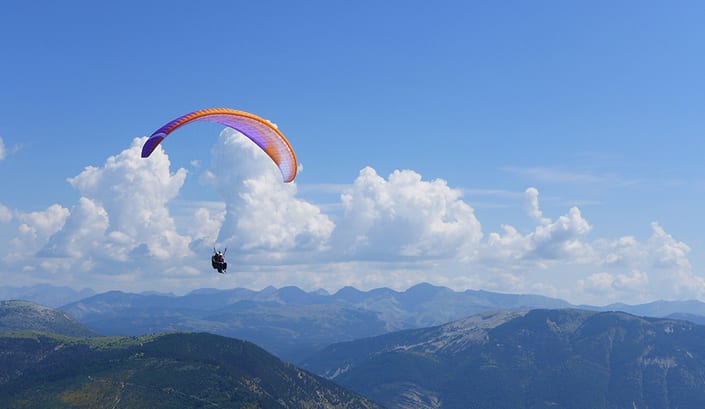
(257, 129)
(260, 131)
(218, 261)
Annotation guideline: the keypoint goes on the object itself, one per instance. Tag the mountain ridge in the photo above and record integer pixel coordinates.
(20, 315)
(171, 370)
(568, 358)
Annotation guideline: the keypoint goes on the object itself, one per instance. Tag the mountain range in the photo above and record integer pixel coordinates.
(293, 324)
(290, 322)
(510, 358)
(574, 359)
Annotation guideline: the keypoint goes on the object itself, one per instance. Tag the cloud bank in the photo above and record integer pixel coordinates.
(126, 231)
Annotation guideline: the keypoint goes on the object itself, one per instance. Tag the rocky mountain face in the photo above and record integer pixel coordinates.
(18, 315)
(540, 359)
(176, 370)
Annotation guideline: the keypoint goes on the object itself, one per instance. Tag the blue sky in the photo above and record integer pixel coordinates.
(530, 147)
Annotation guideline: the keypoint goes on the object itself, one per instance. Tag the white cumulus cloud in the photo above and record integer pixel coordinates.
(532, 203)
(121, 221)
(613, 286)
(405, 216)
(262, 213)
(83, 233)
(133, 193)
(33, 230)
(670, 257)
(562, 240)
(661, 258)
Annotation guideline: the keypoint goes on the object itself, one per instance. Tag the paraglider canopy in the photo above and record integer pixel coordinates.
(257, 129)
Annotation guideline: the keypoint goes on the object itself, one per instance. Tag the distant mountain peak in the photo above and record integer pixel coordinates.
(424, 286)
